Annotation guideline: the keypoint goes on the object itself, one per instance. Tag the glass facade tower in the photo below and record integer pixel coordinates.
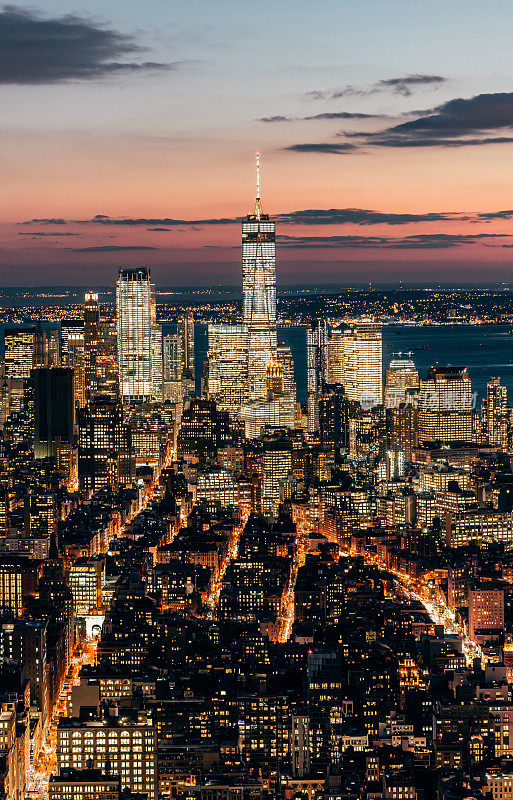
(139, 337)
(259, 293)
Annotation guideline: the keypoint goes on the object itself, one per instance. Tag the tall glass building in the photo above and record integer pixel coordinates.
(259, 292)
(139, 337)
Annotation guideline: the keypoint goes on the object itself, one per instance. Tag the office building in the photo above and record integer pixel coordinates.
(401, 377)
(228, 366)
(317, 368)
(73, 356)
(139, 337)
(185, 332)
(105, 456)
(334, 414)
(86, 580)
(355, 360)
(86, 784)
(172, 368)
(91, 342)
(107, 370)
(496, 415)
(445, 406)
(259, 292)
(54, 410)
(486, 613)
(54, 348)
(125, 742)
(40, 347)
(19, 344)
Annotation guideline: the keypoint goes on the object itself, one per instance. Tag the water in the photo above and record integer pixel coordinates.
(487, 351)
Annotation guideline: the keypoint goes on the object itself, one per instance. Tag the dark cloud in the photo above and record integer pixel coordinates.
(407, 85)
(489, 215)
(427, 241)
(323, 147)
(327, 115)
(360, 216)
(37, 50)
(456, 123)
(404, 86)
(47, 233)
(46, 221)
(459, 122)
(158, 230)
(111, 248)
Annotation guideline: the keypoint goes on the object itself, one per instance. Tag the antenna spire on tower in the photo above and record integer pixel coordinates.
(257, 202)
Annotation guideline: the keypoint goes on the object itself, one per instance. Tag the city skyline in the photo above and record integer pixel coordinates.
(384, 136)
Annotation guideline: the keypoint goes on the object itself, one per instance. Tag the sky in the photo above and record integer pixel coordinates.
(129, 130)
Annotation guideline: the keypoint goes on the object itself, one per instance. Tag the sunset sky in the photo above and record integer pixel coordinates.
(128, 133)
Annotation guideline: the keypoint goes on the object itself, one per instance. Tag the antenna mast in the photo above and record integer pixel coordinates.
(257, 203)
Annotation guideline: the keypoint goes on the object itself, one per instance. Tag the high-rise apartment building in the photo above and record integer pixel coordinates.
(445, 406)
(139, 337)
(355, 360)
(317, 368)
(495, 414)
(401, 376)
(19, 347)
(259, 292)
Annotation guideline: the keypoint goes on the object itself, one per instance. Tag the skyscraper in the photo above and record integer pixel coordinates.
(91, 342)
(446, 406)
(259, 292)
(178, 360)
(355, 360)
(317, 361)
(139, 337)
(19, 351)
(172, 368)
(495, 414)
(54, 410)
(105, 456)
(73, 355)
(401, 376)
(185, 332)
(228, 366)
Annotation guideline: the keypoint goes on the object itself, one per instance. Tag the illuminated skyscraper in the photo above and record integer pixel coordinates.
(495, 414)
(228, 366)
(139, 337)
(178, 360)
(73, 356)
(355, 360)
(401, 376)
(91, 342)
(317, 362)
(259, 292)
(446, 406)
(19, 352)
(185, 332)
(40, 347)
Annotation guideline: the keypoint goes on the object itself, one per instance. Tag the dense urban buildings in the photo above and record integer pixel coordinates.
(210, 590)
